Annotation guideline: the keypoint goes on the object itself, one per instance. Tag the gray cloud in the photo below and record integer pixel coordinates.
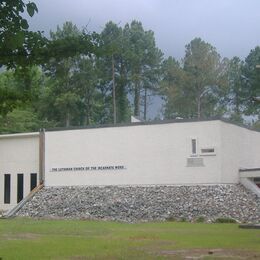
(229, 25)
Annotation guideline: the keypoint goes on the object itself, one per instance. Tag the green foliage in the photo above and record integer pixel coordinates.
(19, 87)
(174, 219)
(200, 219)
(60, 95)
(73, 94)
(31, 8)
(113, 66)
(236, 90)
(206, 76)
(144, 60)
(19, 121)
(91, 100)
(256, 125)
(19, 98)
(196, 89)
(252, 81)
(9, 94)
(225, 220)
(171, 219)
(66, 103)
(172, 89)
(89, 78)
(18, 45)
(13, 25)
(21, 47)
(131, 57)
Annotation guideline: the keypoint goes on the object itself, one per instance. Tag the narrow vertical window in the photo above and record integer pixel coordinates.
(33, 180)
(193, 146)
(7, 189)
(19, 187)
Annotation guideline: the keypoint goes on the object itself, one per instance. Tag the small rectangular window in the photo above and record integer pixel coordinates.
(7, 188)
(208, 150)
(193, 146)
(19, 187)
(33, 180)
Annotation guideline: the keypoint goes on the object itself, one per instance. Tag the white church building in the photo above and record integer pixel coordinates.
(142, 153)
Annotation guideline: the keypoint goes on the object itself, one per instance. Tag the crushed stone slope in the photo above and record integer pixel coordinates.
(146, 203)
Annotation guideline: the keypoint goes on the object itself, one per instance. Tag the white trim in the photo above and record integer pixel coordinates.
(249, 174)
(19, 135)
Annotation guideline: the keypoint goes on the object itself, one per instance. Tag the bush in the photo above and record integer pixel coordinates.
(225, 220)
(170, 219)
(200, 219)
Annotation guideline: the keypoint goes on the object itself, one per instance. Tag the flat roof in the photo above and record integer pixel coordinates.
(249, 169)
(156, 122)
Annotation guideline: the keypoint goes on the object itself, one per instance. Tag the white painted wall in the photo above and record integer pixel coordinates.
(152, 154)
(251, 151)
(18, 154)
(240, 149)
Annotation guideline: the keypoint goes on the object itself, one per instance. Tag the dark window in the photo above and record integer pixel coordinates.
(33, 180)
(19, 187)
(194, 146)
(208, 150)
(7, 189)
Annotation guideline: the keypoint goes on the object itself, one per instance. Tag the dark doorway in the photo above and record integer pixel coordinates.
(257, 181)
(7, 189)
(19, 187)
(33, 180)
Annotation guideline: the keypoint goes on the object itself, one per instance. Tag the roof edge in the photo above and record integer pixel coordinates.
(19, 135)
(157, 122)
(224, 120)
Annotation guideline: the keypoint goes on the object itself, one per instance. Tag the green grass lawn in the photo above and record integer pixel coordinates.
(75, 239)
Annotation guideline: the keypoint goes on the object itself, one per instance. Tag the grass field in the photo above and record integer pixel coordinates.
(71, 239)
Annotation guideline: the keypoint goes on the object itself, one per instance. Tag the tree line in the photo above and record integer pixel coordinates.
(78, 78)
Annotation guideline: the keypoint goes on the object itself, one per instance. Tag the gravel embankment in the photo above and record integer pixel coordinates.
(145, 203)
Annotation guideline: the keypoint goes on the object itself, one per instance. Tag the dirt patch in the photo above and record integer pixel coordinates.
(154, 247)
(20, 236)
(209, 254)
(89, 258)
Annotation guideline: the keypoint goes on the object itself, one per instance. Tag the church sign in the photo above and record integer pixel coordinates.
(88, 168)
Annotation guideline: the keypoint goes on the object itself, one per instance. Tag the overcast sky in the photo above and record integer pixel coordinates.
(232, 26)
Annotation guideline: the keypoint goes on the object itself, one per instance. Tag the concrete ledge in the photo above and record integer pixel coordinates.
(250, 185)
(249, 173)
(13, 211)
(250, 226)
